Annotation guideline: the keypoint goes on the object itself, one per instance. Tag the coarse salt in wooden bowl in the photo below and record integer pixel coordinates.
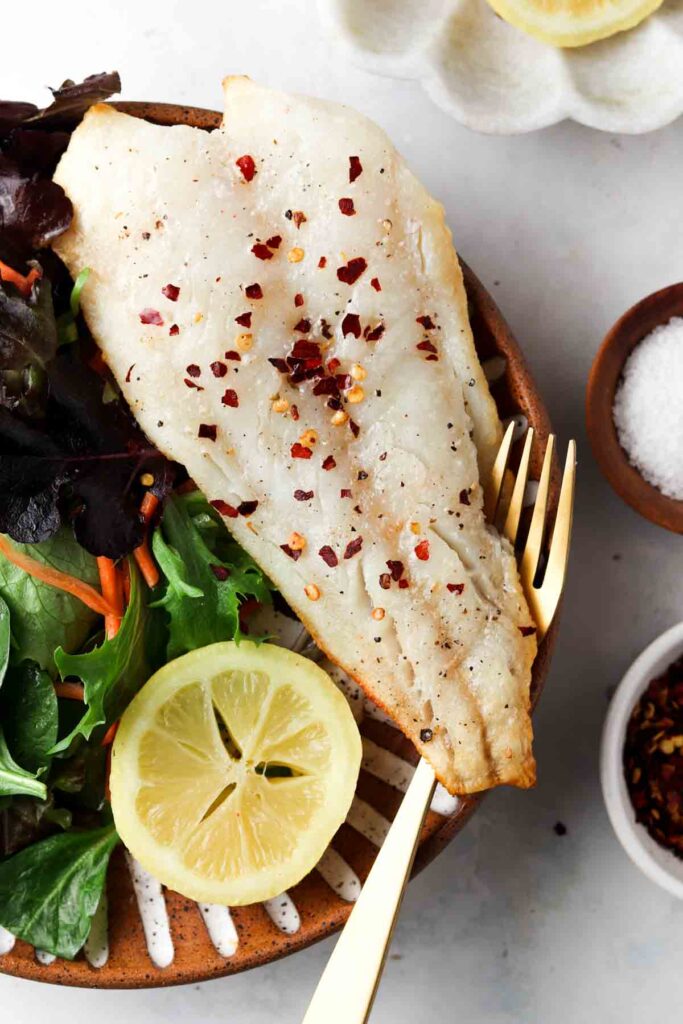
(156, 937)
(640, 320)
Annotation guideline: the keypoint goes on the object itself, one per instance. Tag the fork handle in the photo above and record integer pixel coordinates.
(347, 988)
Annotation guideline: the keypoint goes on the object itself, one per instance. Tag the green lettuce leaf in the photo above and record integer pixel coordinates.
(49, 892)
(114, 672)
(29, 715)
(42, 617)
(195, 552)
(14, 780)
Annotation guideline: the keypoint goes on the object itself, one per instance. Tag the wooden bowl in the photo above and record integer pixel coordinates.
(634, 325)
(265, 934)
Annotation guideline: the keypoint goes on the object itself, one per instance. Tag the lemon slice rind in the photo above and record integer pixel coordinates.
(586, 21)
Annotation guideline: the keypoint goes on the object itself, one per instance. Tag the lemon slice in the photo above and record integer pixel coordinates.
(231, 771)
(574, 22)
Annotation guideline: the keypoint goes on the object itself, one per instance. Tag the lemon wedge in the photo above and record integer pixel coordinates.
(232, 769)
(574, 22)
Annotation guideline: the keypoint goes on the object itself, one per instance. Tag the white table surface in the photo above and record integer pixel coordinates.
(568, 227)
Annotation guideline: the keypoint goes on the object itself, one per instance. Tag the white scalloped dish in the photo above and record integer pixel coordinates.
(495, 78)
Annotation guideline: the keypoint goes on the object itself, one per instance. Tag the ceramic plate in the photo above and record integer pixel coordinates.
(493, 77)
(153, 937)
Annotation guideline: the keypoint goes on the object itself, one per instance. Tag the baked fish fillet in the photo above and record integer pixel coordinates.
(282, 306)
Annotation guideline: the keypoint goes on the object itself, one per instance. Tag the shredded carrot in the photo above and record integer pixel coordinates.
(112, 591)
(146, 564)
(110, 734)
(23, 282)
(72, 691)
(125, 581)
(97, 363)
(54, 578)
(150, 503)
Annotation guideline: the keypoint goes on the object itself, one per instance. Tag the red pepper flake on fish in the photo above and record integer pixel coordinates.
(219, 369)
(247, 167)
(396, 568)
(193, 370)
(351, 325)
(322, 262)
(426, 346)
(207, 430)
(426, 322)
(374, 333)
(171, 291)
(247, 508)
(345, 492)
(384, 580)
(328, 556)
(329, 463)
(300, 451)
(422, 550)
(375, 284)
(151, 316)
(294, 412)
(275, 242)
(233, 355)
(527, 630)
(346, 207)
(229, 511)
(465, 497)
(261, 252)
(294, 555)
(174, 329)
(353, 547)
(254, 291)
(350, 273)
(303, 495)
(298, 299)
(355, 168)
(244, 319)
(191, 384)
(230, 398)
(303, 326)
(299, 218)
(455, 588)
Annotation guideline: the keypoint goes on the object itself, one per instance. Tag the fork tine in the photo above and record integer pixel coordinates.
(495, 482)
(534, 542)
(516, 505)
(548, 594)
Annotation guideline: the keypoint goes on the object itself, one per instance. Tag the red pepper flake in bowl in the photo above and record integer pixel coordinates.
(422, 550)
(355, 168)
(346, 207)
(253, 291)
(328, 556)
(219, 369)
(244, 319)
(455, 588)
(208, 430)
(653, 758)
(171, 291)
(261, 251)
(350, 273)
(329, 462)
(151, 316)
(247, 166)
(230, 398)
(351, 325)
(300, 451)
(353, 547)
(229, 511)
(303, 495)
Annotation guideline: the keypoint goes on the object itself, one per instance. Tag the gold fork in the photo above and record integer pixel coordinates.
(347, 988)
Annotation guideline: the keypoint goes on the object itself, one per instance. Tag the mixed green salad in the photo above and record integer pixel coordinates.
(111, 562)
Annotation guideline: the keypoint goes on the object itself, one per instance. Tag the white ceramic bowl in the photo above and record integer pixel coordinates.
(657, 863)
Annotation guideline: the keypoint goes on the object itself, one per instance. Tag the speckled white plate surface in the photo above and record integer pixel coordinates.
(495, 78)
